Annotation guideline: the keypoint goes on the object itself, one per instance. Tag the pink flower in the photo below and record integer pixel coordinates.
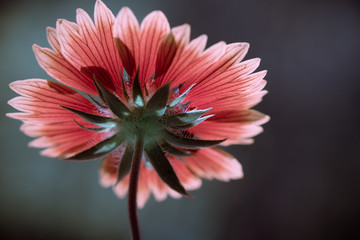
(120, 80)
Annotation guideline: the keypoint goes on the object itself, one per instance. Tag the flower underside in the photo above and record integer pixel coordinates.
(127, 90)
(159, 120)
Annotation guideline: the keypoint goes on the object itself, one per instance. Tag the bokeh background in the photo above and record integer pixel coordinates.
(301, 175)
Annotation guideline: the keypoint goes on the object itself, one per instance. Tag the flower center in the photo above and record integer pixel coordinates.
(140, 120)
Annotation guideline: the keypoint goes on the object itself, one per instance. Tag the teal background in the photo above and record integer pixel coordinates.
(301, 175)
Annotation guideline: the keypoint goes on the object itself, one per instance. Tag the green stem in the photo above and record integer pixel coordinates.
(134, 179)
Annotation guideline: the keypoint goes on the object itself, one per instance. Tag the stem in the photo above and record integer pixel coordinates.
(134, 178)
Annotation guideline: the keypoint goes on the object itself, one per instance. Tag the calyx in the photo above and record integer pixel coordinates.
(164, 131)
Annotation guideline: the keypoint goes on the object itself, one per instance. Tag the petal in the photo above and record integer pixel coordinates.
(187, 56)
(157, 186)
(59, 68)
(104, 21)
(44, 117)
(99, 40)
(51, 92)
(143, 193)
(109, 168)
(199, 65)
(52, 39)
(126, 28)
(240, 92)
(238, 126)
(213, 163)
(241, 101)
(122, 187)
(164, 169)
(186, 177)
(182, 38)
(235, 80)
(232, 54)
(83, 47)
(153, 28)
(78, 144)
(126, 57)
(182, 35)
(37, 130)
(165, 56)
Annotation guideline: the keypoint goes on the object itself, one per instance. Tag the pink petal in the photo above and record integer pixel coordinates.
(59, 68)
(52, 39)
(143, 193)
(232, 54)
(153, 28)
(245, 101)
(43, 117)
(213, 163)
(199, 63)
(157, 186)
(99, 40)
(104, 21)
(126, 28)
(81, 143)
(82, 46)
(186, 57)
(182, 34)
(109, 167)
(38, 130)
(50, 92)
(165, 56)
(235, 80)
(152, 182)
(185, 175)
(232, 91)
(126, 57)
(237, 126)
(122, 187)
(182, 38)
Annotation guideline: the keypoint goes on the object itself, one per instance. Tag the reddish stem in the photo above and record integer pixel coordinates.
(134, 179)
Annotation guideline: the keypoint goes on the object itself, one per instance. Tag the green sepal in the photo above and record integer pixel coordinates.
(96, 101)
(164, 169)
(194, 123)
(138, 96)
(100, 129)
(99, 150)
(126, 95)
(113, 102)
(159, 100)
(185, 118)
(98, 120)
(189, 143)
(168, 148)
(125, 163)
(180, 98)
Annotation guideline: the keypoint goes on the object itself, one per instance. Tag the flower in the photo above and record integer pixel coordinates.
(119, 81)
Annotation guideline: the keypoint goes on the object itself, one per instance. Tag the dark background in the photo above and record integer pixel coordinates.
(301, 175)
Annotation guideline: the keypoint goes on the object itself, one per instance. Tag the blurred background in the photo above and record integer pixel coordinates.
(301, 175)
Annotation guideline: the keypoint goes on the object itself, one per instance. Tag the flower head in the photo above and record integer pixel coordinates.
(119, 81)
